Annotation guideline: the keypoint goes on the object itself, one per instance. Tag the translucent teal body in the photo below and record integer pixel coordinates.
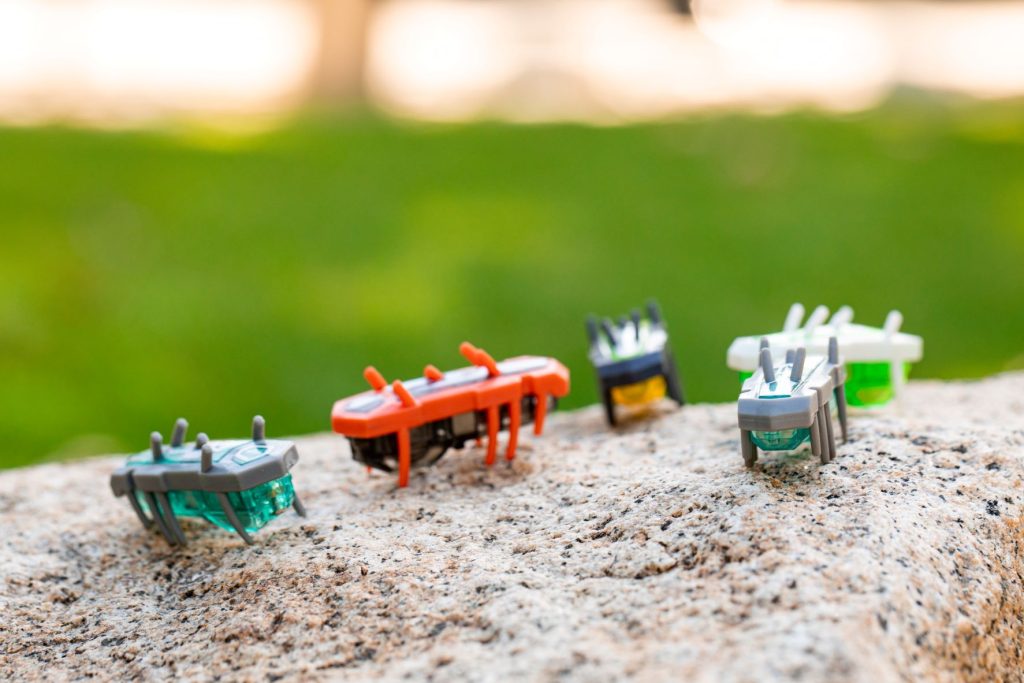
(255, 507)
(788, 439)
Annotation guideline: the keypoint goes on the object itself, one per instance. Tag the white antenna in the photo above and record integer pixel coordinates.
(893, 323)
(841, 317)
(793, 318)
(819, 316)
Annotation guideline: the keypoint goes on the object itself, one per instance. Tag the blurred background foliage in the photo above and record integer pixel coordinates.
(195, 272)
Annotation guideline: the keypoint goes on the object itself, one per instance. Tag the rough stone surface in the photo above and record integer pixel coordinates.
(647, 553)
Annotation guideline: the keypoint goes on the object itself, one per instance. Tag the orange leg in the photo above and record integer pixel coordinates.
(492, 434)
(404, 457)
(513, 429)
(539, 413)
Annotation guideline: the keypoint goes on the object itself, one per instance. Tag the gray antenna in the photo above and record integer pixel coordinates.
(609, 329)
(790, 356)
(764, 344)
(259, 429)
(206, 461)
(635, 314)
(202, 439)
(178, 435)
(798, 364)
(833, 351)
(592, 329)
(766, 365)
(156, 444)
(654, 313)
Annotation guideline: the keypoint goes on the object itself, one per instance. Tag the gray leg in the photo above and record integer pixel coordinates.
(172, 521)
(816, 439)
(225, 505)
(146, 521)
(154, 507)
(831, 432)
(300, 509)
(841, 402)
(748, 448)
(826, 454)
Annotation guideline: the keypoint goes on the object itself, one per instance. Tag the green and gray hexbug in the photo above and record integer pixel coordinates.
(784, 406)
(238, 485)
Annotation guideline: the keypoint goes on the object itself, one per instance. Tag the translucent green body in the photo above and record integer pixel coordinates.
(870, 384)
(254, 507)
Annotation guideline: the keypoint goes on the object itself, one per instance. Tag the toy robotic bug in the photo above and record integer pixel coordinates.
(237, 485)
(877, 359)
(633, 361)
(412, 424)
(783, 406)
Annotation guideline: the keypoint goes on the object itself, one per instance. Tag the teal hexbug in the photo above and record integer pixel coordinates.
(239, 485)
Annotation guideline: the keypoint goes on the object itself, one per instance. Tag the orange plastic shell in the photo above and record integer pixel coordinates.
(399, 410)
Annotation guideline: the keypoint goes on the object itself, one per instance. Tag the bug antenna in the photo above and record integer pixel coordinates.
(833, 351)
(793, 317)
(206, 459)
(178, 435)
(635, 315)
(259, 428)
(893, 322)
(798, 364)
(766, 365)
(609, 329)
(654, 312)
(156, 444)
(202, 439)
(790, 356)
(592, 329)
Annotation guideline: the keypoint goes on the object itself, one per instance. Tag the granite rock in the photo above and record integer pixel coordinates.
(645, 553)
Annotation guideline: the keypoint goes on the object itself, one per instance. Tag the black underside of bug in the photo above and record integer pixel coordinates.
(431, 441)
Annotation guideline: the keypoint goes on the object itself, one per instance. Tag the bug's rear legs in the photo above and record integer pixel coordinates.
(492, 434)
(675, 388)
(300, 509)
(404, 457)
(229, 512)
(816, 448)
(154, 509)
(748, 448)
(147, 523)
(167, 512)
(514, 420)
(841, 403)
(831, 432)
(540, 411)
(609, 405)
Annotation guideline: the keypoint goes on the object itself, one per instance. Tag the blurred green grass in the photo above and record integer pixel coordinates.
(147, 275)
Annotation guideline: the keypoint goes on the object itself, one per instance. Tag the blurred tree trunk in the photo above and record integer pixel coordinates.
(337, 79)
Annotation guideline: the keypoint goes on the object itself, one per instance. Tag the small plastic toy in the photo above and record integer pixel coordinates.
(633, 361)
(878, 359)
(412, 424)
(237, 485)
(783, 406)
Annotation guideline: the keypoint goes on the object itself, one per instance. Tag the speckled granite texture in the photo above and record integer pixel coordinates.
(649, 553)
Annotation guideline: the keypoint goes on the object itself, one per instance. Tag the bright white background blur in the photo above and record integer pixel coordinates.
(125, 61)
